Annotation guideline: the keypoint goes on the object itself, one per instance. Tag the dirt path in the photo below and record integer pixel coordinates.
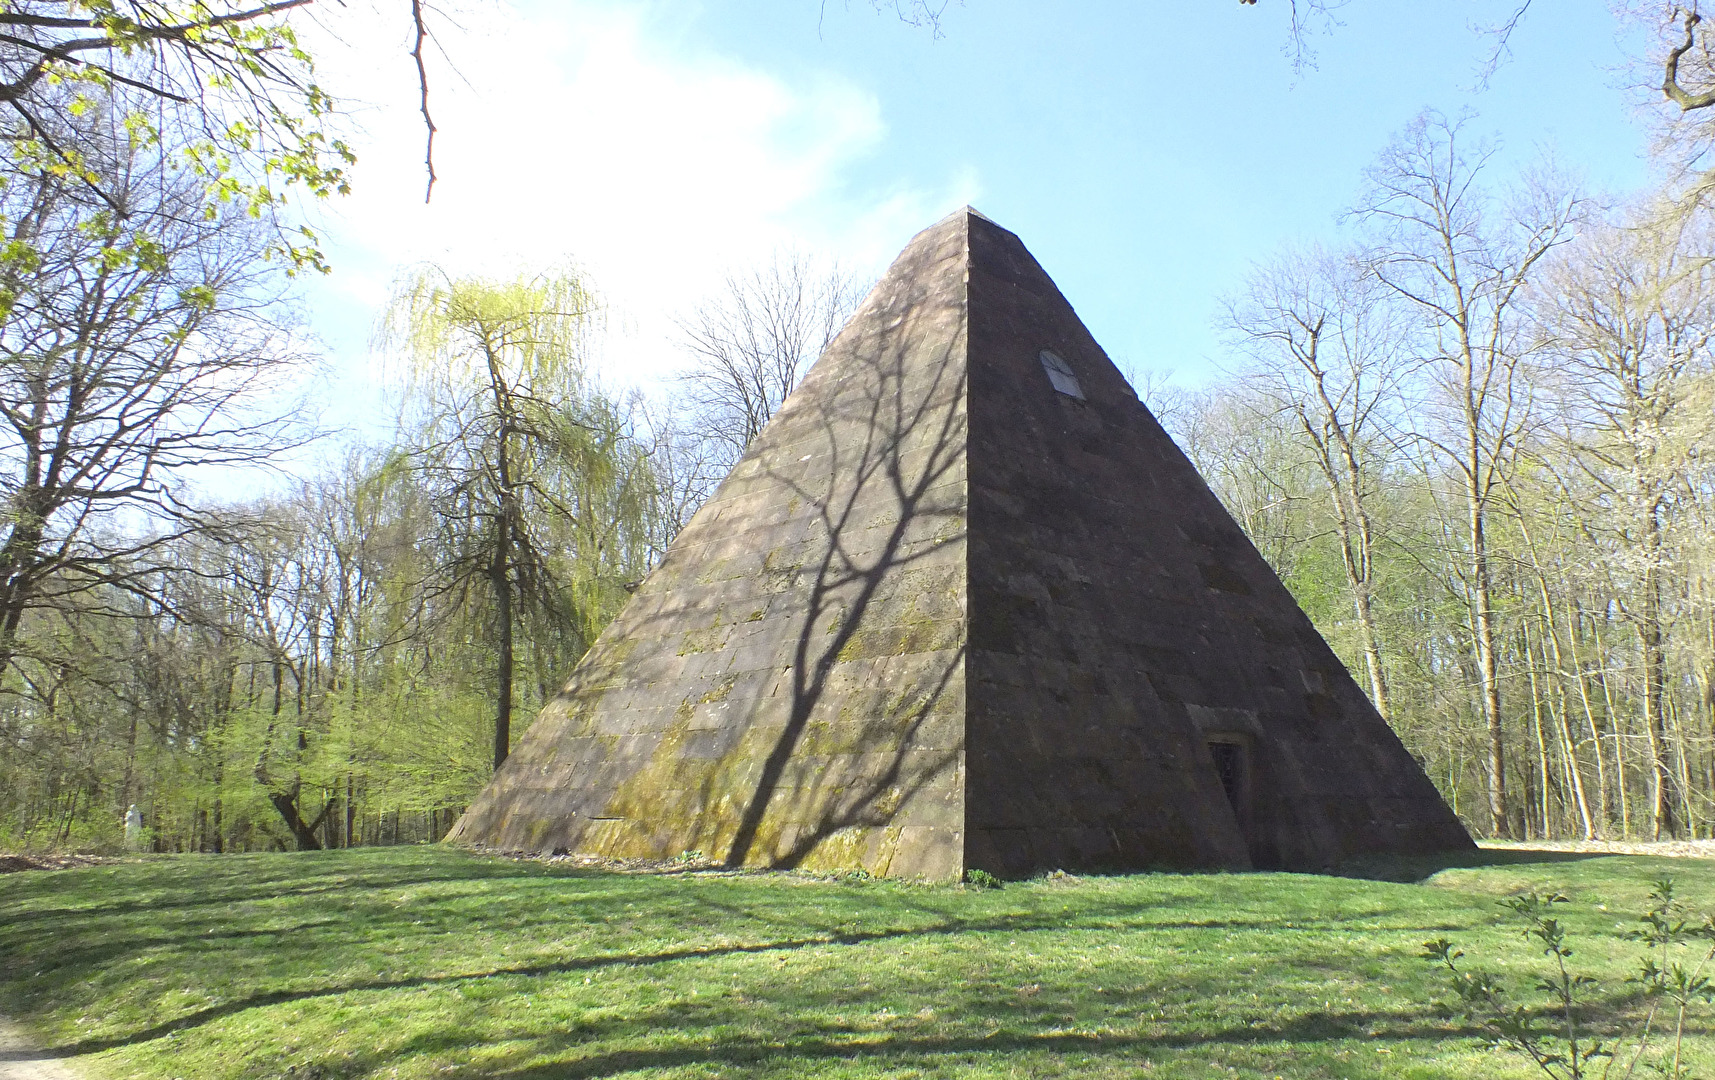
(1673, 849)
(21, 1060)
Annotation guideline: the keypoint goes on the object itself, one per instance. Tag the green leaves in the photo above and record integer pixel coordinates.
(225, 88)
(474, 331)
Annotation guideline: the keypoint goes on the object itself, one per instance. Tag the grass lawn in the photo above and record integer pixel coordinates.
(428, 962)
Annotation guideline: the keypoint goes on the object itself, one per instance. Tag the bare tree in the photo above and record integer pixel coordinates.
(1681, 50)
(750, 345)
(1257, 469)
(1462, 261)
(1303, 16)
(1631, 314)
(921, 13)
(1678, 63)
(1325, 350)
(139, 349)
(686, 465)
(1165, 399)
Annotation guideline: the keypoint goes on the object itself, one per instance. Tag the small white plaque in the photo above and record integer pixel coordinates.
(1060, 374)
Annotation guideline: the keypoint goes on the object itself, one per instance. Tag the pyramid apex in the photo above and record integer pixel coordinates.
(967, 212)
(960, 221)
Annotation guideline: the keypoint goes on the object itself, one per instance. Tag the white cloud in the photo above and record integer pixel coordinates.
(593, 134)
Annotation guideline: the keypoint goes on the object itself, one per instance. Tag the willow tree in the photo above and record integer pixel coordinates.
(512, 443)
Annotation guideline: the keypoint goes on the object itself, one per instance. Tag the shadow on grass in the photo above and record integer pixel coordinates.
(826, 926)
(1414, 869)
(909, 1050)
(1321, 1027)
(264, 889)
(1007, 925)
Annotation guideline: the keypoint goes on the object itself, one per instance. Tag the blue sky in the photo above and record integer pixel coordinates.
(1146, 152)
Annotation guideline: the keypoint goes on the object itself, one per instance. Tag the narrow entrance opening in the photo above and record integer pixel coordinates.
(1233, 769)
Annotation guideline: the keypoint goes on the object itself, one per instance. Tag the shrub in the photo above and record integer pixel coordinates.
(1561, 1033)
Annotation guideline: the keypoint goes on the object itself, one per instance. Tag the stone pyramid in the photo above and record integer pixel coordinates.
(964, 605)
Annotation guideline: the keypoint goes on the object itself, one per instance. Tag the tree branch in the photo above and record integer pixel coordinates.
(1675, 93)
(423, 88)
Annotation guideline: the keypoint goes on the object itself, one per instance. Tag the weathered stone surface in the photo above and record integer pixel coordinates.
(942, 616)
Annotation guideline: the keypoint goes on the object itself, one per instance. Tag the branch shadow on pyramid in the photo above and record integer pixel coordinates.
(883, 584)
(787, 688)
(963, 604)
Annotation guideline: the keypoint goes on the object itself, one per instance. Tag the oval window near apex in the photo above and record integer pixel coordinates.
(1060, 374)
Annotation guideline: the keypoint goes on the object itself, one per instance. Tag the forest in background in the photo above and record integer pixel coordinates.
(1475, 445)
(1473, 440)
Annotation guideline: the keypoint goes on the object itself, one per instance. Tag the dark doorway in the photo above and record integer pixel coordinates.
(1234, 770)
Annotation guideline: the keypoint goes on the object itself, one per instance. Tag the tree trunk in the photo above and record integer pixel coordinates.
(1487, 666)
(1682, 774)
(1563, 720)
(1544, 778)
(499, 571)
(217, 818)
(1373, 657)
(1569, 744)
(1655, 677)
(1357, 544)
(18, 569)
(286, 803)
(1604, 790)
(503, 616)
(1615, 720)
(1355, 555)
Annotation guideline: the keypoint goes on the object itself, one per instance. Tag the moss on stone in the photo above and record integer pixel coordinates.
(703, 639)
(689, 804)
(843, 849)
(777, 572)
(914, 632)
(721, 691)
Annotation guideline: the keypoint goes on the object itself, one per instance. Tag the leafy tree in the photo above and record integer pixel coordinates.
(222, 90)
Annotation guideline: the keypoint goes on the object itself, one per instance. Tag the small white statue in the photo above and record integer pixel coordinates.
(133, 829)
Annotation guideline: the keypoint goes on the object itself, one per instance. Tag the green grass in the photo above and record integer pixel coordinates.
(427, 962)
